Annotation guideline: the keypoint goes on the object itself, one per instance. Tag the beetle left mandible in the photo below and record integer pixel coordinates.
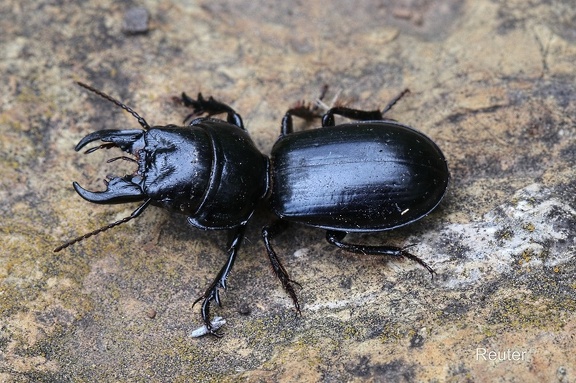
(369, 176)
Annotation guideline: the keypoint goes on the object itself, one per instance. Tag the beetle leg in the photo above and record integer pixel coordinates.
(210, 107)
(302, 110)
(335, 238)
(353, 114)
(270, 231)
(359, 115)
(287, 126)
(212, 293)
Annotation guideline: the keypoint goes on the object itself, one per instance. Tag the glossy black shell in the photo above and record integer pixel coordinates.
(357, 177)
(237, 178)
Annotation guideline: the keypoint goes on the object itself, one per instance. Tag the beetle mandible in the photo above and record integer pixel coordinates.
(370, 175)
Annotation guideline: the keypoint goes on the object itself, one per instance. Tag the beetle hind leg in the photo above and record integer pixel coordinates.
(336, 238)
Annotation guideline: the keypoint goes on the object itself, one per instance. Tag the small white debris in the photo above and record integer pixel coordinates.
(216, 323)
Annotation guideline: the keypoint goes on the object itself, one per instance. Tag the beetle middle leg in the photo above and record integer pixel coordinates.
(212, 292)
(268, 232)
(210, 107)
(336, 238)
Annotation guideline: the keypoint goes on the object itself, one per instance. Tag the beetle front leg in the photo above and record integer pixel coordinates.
(212, 293)
(335, 238)
(210, 107)
(270, 231)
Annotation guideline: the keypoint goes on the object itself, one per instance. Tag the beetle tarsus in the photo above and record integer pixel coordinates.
(216, 323)
(212, 293)
(205, 311)
(414, 258)
(394, 101)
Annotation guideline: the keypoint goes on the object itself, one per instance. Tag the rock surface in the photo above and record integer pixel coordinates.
(493, 83)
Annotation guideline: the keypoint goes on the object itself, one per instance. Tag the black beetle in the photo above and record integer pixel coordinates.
(368, 176)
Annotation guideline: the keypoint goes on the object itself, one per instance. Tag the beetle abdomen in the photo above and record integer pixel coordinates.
(365, 176)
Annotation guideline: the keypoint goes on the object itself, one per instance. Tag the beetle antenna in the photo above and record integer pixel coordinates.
(134, 214)
(140, 119)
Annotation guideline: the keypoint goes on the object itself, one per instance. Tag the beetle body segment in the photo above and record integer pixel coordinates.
(357, 177)
(238, 178)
